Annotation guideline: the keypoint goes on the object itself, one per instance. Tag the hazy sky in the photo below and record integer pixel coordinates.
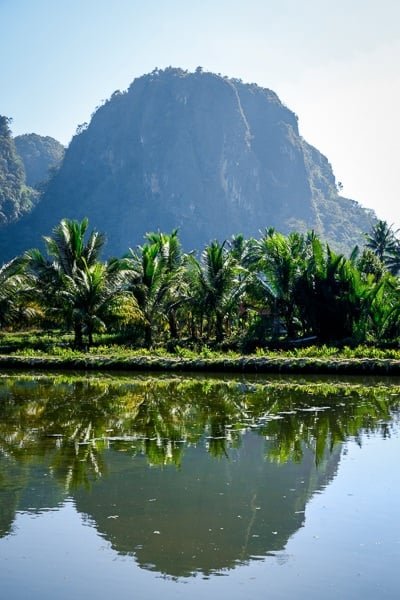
(336, 64)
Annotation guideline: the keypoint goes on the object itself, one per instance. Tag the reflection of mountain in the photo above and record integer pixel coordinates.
(9, 478)
(210, 514)
(26, 487)
(186, 475)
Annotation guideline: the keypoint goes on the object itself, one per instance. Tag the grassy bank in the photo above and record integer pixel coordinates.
(36, 350)
(239, 364)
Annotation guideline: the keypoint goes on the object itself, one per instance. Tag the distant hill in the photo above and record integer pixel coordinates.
(15, 197)
(39, 154)
(207, 154)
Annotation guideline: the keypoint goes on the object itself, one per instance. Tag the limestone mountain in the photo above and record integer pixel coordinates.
(40, 155)
(207, 154)
(15, 197)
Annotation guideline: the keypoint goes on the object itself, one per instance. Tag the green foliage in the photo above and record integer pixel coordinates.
(154, 278)
(77, 290)
(277, 292)
(370, 264)
(159, 418)
(215, 286)
(278, 262)
(15, 197)
(332, 295)
(40, 155)
(384, 244)
(15, 298)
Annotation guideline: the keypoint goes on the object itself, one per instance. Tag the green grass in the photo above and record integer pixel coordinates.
(59, 344)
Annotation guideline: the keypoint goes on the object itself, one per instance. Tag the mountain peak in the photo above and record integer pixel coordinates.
(208, 154)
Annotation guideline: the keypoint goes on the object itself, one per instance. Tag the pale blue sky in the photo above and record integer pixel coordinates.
(335, 63)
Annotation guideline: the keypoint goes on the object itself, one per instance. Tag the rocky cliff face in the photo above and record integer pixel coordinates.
(15, 197)
(207, 154)
(40, 155)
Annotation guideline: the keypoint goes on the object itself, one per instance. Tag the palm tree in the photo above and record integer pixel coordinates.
(383, 242)
(71, 282)
(171, 265)
(12, 285)
(69, 249)
(387, 309)
(278, 262)
(154, 278)
(94, 296)
(333, 298)
(17, 295)
(214, 286)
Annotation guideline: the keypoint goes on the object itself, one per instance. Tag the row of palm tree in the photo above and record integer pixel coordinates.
(254, 290)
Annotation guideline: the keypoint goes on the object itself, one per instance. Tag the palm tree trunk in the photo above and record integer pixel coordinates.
(219, 327)
(192, 326)
(201, 322)
(173, 329)
(78, 337)
(148, 338)
(290, 328)
(275, 321)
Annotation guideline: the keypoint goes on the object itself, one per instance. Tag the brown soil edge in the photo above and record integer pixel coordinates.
(315, 366)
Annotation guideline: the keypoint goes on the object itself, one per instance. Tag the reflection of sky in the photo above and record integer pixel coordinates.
(128, 501)
(348, 548)
(334, 63)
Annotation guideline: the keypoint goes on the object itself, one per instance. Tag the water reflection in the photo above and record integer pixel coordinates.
(188, 476)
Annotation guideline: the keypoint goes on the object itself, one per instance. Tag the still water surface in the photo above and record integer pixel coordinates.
(179, 487)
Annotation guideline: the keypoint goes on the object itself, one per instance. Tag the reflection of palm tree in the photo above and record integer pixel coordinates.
(75, 428)
(321, 428)
(76, 465)
(75, 421)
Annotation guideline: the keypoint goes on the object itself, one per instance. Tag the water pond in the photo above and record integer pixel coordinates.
(180, 487)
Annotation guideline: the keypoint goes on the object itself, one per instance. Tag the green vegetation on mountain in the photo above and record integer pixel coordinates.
(16, 198)
(40, 156)
(198, 152)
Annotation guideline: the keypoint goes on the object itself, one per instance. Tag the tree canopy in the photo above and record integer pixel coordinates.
(239, 293)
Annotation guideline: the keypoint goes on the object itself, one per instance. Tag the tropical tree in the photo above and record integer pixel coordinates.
(333, 298)
(68, 248)
(386, 310)
(14, 294)
(278, 262)
(215, 287)
(94, 296)
(72, 284)
(369, 264)
(383, 242)
(155, 271)
(172, 267)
